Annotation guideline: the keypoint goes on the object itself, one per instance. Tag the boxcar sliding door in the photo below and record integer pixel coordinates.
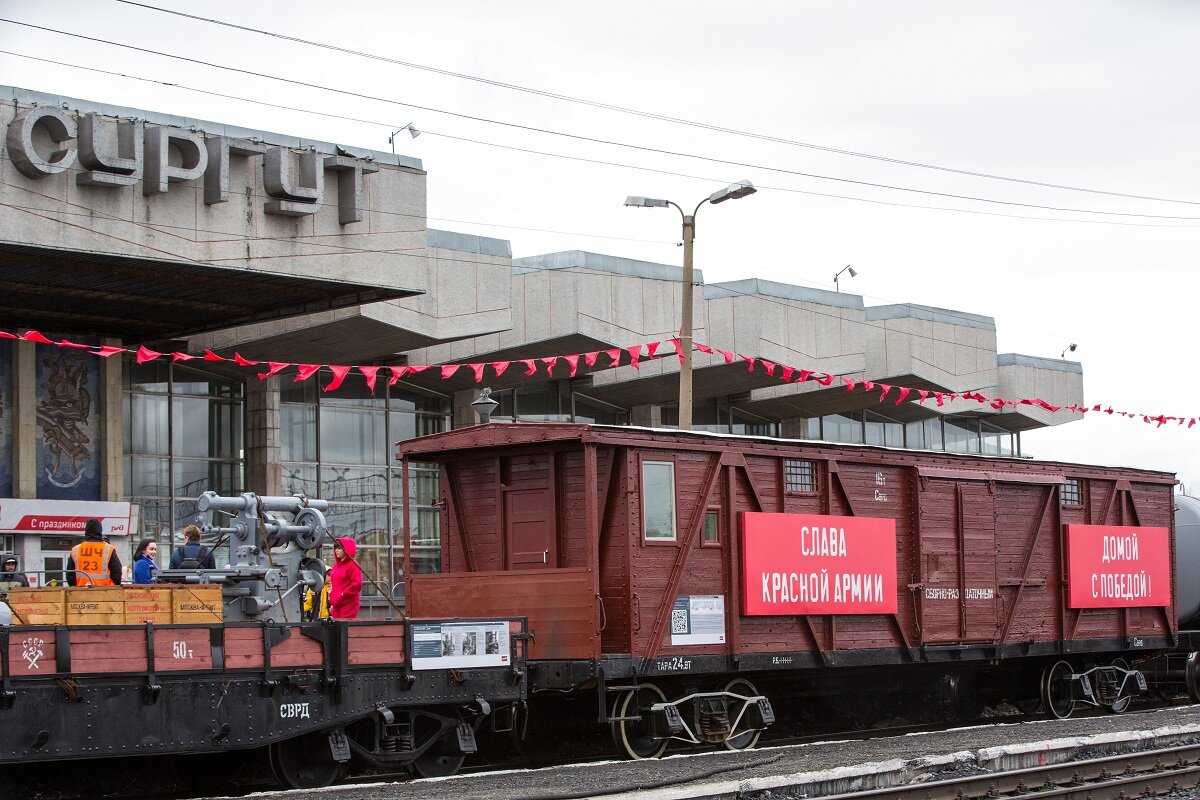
(957, 590)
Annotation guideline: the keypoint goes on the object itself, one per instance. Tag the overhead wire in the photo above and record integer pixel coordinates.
(648, 114)
(590, 139)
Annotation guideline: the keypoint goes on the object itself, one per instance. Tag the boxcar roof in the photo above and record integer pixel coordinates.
(935, 463)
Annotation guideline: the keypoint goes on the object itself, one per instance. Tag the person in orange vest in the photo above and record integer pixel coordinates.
(93, 562)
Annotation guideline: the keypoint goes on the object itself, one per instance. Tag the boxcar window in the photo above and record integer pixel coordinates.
(799, 475)
(711, 527)
(1071, 495)
(658, 500)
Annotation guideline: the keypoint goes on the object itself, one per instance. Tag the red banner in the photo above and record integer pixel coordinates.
(812, 564)
(1118, 566)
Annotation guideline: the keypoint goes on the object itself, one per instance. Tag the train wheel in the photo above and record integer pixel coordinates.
(442, 759)
(633, 731)
(1192, 677)
(1056, 692)
(746, 739)
(1121, 705)
(305, 762)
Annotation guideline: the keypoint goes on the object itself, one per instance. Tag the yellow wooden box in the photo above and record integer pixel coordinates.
(96, 605)
(37, 606)
(196, 603)
(148, 604)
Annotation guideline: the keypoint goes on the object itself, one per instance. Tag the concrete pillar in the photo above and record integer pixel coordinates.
(263, 472)
(24, 428)
(112, 431)
(646, 416)
(796, 428)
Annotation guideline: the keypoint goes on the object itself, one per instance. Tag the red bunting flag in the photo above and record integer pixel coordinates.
(590, 358)
(244, 362)
(209, 355)
(478, 370)
(448, 370)
(145, 354)
(305, 371)
(635, 352)
(574, 362)
(34, 336)
(904, 390)
(886, 387)
(851, 383)
(615, 355)
(7, 335)
(750, 362)
(652, 348)
(769, 365)
(370, 374)
(274, 367)
(339, 375)
(703, 348)
(804, 375)
(417, 368)
(67, 343)
(550, 362)
(725, 354)
(924, 394)
(177, 356)
(824, 379)
(787, 373)
(397, 374)
(499, 367)
(530, 366)
(940, 399)
(104, 351)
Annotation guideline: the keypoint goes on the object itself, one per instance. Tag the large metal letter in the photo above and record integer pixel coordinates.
(159, 172)
(350, 185)
(23, 151)
(216, 177)
(296, 198)
(104, 167)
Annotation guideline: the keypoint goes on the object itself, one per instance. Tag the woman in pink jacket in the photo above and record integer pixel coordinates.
(345, 579)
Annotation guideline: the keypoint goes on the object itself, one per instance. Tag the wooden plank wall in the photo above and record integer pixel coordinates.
(559, 604)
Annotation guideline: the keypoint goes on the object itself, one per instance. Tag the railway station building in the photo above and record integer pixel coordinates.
(173, 238)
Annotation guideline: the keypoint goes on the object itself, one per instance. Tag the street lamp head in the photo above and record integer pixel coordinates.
(733, 191)
(645, 202)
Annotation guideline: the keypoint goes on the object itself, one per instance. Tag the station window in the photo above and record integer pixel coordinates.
(799, 476)
(658, 500)
(1071, 493)
(711, 535)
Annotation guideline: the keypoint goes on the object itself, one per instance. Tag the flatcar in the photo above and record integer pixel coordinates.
(234, 668)
(687, 587)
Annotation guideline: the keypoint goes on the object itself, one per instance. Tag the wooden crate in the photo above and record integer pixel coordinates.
(96, 605)
(148, 604)
(196, 604)
(37, 606)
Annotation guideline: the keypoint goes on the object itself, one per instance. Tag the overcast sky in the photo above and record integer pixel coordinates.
(1090, 94)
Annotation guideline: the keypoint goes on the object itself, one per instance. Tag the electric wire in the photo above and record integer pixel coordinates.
(589, 139)
(583, 159)
(648, 114)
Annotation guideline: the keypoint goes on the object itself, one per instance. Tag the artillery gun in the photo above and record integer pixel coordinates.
(269, 568)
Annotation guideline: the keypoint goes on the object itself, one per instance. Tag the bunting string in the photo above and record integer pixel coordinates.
(630, 356)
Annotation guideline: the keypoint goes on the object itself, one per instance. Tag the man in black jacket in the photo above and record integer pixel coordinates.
(9, 574)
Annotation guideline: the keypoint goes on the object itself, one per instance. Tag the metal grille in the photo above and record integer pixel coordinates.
(799, 475)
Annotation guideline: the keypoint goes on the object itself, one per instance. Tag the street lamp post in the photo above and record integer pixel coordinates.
(733, 191)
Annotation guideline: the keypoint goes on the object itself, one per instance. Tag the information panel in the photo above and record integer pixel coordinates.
(813, 564)
(1118, 566)
(698, 619)
(454, 645)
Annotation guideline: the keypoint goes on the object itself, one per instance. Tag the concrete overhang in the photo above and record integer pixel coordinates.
(143, 301)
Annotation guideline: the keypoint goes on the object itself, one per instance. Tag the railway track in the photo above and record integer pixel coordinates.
(1146, 774)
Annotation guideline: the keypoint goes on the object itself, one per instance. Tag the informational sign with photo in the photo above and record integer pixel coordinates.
(455, 645)
(698, 619)
(1118, 566)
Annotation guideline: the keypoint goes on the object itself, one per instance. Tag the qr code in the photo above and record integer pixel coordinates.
(679, 620)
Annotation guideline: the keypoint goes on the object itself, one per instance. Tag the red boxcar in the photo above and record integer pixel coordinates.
(675, 573)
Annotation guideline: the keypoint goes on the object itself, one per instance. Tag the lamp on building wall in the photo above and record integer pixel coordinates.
(838, 274)
(1070, 349)
(733, 191)
(484, 405)
(412, 131)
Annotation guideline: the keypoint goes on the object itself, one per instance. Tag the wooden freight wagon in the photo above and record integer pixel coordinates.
(676, 573)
